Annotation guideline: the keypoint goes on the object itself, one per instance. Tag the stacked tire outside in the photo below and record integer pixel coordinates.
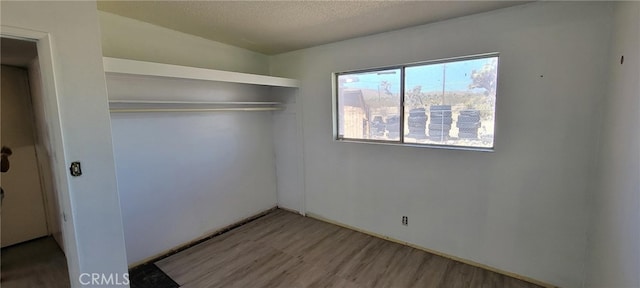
(393, 126)
(468, 124)
(417, 123)
(378, 127)
(440, 123)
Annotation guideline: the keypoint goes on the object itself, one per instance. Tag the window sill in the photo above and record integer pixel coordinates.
(462, 148)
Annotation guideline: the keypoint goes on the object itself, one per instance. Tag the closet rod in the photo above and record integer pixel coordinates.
(194, 109)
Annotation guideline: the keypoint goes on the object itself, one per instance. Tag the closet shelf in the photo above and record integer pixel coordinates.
(163, 102)
(142, 68)
(161, 110)
(138, 106)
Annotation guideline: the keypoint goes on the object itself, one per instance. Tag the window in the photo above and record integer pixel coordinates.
(446, 103)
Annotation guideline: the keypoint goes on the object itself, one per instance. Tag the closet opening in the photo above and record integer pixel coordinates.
(31, 238)
(197, 151)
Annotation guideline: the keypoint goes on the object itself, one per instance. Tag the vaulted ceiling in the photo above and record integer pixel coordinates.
(273, 27)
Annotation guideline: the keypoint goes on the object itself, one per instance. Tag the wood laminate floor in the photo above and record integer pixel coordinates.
(36, 263)
(283, 249)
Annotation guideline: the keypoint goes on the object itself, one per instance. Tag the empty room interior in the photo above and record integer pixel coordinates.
(320, 144)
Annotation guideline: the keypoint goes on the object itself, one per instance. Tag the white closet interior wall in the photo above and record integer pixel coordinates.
(184, 175)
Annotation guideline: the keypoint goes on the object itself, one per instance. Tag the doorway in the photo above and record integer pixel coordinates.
(29, 212)
(23, 209)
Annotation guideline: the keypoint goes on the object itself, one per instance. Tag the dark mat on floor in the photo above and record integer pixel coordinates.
(150, 276)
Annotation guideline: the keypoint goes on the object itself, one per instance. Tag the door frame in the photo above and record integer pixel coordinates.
(44, 43)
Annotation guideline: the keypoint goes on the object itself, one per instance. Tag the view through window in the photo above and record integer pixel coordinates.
(444, 103)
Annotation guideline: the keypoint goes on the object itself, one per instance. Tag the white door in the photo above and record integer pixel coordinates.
(23, 214)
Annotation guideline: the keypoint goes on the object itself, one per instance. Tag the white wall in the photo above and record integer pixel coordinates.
(182, 176)
(614, 238)
(287, 137)
(133, 39)
(94, 241)
(521, 209)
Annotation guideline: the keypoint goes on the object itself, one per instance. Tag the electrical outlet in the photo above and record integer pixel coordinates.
(405, 220)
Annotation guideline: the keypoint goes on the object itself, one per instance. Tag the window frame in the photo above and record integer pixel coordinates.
(402, 67)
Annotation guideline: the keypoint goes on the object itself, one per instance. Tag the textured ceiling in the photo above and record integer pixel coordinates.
(272, 27)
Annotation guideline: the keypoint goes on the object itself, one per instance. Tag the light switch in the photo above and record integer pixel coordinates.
(75, 169)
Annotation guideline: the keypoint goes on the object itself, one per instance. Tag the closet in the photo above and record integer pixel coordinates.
(198, 150)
